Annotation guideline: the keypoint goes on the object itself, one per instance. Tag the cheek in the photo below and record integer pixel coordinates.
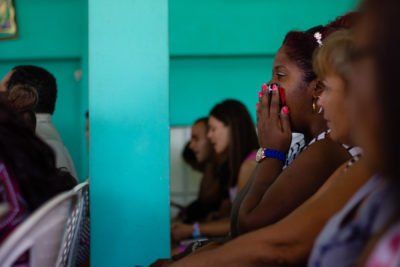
(335, 104)
(202, 145)
(223, 141)
(293, 98)
(299, 104)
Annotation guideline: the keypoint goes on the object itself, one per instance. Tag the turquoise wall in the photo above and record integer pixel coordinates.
(218, 49)
(129, 159)
(52, 35)
(224, 49)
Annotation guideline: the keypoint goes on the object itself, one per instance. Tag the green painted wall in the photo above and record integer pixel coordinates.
(224, 49)
(52, 35)
(129, 159)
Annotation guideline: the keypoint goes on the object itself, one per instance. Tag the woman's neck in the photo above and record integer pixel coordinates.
(316, 126)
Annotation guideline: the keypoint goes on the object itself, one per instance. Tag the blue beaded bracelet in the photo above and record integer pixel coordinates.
(270, 153)
(196, 230)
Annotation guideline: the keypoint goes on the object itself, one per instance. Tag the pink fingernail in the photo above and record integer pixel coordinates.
(258, 105)
(274, 87)
(260, 94)
(285, 110)
(264, 87)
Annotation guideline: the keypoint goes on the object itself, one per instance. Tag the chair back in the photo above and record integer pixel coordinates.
(75, 223)
(41, 233)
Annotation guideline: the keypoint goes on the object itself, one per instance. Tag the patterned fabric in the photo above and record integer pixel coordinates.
(342, 240)
(387, 251)
(17, 212)
(352, 161)
(353, 150)
(319, 137)
(298, 144)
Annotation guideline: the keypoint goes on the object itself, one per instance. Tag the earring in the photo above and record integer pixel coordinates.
(314, 105)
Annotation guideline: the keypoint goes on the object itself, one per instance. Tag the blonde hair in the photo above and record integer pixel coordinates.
(332, 56)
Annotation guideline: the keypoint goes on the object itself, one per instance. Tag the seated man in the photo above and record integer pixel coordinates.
(200, 155)
(45, 84)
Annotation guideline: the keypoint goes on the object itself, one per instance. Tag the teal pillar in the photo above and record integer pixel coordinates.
(129, 157)
(84, 94)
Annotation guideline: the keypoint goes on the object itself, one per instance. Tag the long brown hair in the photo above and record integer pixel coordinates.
(30, 161)
(243, 139)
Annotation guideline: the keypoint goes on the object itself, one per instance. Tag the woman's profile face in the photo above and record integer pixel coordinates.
(333, 100)
(289, 76)
(219, 135)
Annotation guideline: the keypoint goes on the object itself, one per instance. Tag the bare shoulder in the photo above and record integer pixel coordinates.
(331, 180)
(246, 169)
(322, 153)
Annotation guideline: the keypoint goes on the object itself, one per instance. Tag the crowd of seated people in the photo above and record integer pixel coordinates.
(200, 156)
(336, 202)
(29, 172)
(264, 200)
(229, 138)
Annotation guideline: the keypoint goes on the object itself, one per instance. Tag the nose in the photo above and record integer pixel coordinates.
(209, 135)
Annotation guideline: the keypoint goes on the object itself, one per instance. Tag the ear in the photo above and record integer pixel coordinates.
(317, 88)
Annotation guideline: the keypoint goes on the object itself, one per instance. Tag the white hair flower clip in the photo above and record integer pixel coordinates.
(318, 37)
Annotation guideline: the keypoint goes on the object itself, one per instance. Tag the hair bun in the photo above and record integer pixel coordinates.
(23, 98)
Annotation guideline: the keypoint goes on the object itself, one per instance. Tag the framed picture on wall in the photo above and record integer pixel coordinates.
(8, 21)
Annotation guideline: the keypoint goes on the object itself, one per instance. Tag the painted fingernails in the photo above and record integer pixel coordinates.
(257, 105)
(264, 87)
(274, 87)
(260, 94)
(285, 110)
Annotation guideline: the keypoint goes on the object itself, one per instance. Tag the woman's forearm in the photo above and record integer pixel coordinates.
(249, 250)
(264, 176)
(216, 228)
(267, 203)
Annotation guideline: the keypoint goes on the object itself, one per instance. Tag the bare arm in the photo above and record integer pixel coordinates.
(238, 201)
(275, 193)
(245, 173)
(216, 228)
(289, 241)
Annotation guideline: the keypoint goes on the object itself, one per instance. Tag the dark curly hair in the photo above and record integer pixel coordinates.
(30, 161)
(43, 81)
(23, 100)
(300, 45)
